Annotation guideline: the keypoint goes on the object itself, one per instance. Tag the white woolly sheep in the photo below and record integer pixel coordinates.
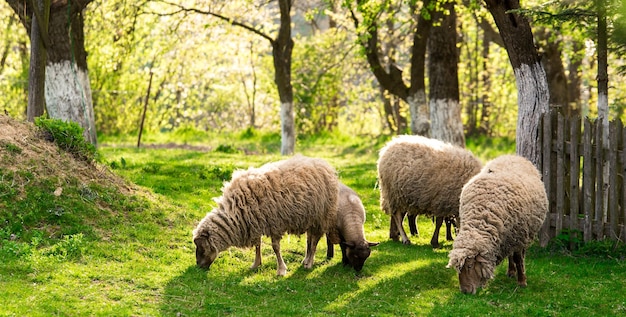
(422, 176)
(350, 234)
(501, 210)
(295, 196)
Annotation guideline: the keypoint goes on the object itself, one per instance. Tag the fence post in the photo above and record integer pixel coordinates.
(574, 176)
(614, 128)
(546, 143)
(560, 174)
(588, 180)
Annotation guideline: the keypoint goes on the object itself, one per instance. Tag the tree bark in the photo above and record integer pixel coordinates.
(68, 90)
(38, 58)
(282, 48)
(553, 64)
(445, 108)
(532, 84)
(418, 105)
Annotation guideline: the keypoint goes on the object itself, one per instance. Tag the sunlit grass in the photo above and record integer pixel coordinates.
(139, 258)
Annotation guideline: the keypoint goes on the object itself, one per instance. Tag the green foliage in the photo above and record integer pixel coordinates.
(133, 255)
(69, 137)
(70, 247)
(11, 148)
(226, 148)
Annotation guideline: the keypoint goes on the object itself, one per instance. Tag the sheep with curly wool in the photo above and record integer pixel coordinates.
(294, 196)
(501, 210)
(350, 234)
(422, 176)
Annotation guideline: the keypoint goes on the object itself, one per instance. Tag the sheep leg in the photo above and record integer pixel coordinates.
(393, 228)
(434, 241)
(412, 219)
(397, 218)
(518, 258)
(449, 223)
(311, 245)
(512, 271)
(257, 257)
(280, 263)
(344, 256)
(330, 252)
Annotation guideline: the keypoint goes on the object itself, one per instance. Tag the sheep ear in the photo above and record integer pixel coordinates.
(457, 259)
(373, 244)
(487, 267)
(348, 244)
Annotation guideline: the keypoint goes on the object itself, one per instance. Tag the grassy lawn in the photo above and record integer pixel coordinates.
(111, 253)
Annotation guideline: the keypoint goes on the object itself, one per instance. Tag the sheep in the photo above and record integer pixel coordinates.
(349, 233)
(295, 196)
(349, 228)
(419, 175)
(501, 210)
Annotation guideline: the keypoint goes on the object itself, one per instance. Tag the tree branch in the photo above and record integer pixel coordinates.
(231, 21)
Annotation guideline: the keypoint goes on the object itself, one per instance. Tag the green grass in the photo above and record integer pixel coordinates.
(136, 258)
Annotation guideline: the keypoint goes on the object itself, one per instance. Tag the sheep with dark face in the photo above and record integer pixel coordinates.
(422, 176)
(350, 234)
(295, 196)
(501, 210)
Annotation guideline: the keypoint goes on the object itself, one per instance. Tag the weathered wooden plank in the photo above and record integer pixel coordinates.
(622, 171)
(588, 180)
(546, 145)
(574, 173)
(560, 174)
(614, 128)
(599, 155)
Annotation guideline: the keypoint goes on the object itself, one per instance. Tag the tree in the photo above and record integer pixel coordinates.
(389, 75)
(39, 43)
(445, 108)
(67, 87)
(282, 48)
(532, 84)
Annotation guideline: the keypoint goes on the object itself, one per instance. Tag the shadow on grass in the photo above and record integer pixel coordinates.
(388, 284)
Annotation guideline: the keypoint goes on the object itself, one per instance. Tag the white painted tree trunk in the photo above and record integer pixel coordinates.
(287, 127)
(68, 96)
(445, 119)
(420, 114)
(533, 95)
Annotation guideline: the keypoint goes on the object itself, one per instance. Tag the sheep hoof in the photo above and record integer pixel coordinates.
(406, 242)
(281, 272)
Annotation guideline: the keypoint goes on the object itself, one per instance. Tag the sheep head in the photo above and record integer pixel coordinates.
(357, 253)
(474, 271)
(206, 252)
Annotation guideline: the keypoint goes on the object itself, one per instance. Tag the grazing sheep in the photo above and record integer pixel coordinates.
(295, 196)
(422, 176)
(501, 210)
(350, 234)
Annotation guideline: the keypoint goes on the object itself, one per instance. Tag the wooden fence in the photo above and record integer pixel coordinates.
(583, 202)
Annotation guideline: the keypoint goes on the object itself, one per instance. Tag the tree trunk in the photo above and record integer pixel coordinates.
(445, 108)
(38, 57)
(603, 96)
(532, 84)
(418, 105)
(390, 76)
(555, 72)
(282, 48)
(68, 91)
(574, 78)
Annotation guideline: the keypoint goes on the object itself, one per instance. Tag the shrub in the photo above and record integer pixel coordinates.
(68, 136)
